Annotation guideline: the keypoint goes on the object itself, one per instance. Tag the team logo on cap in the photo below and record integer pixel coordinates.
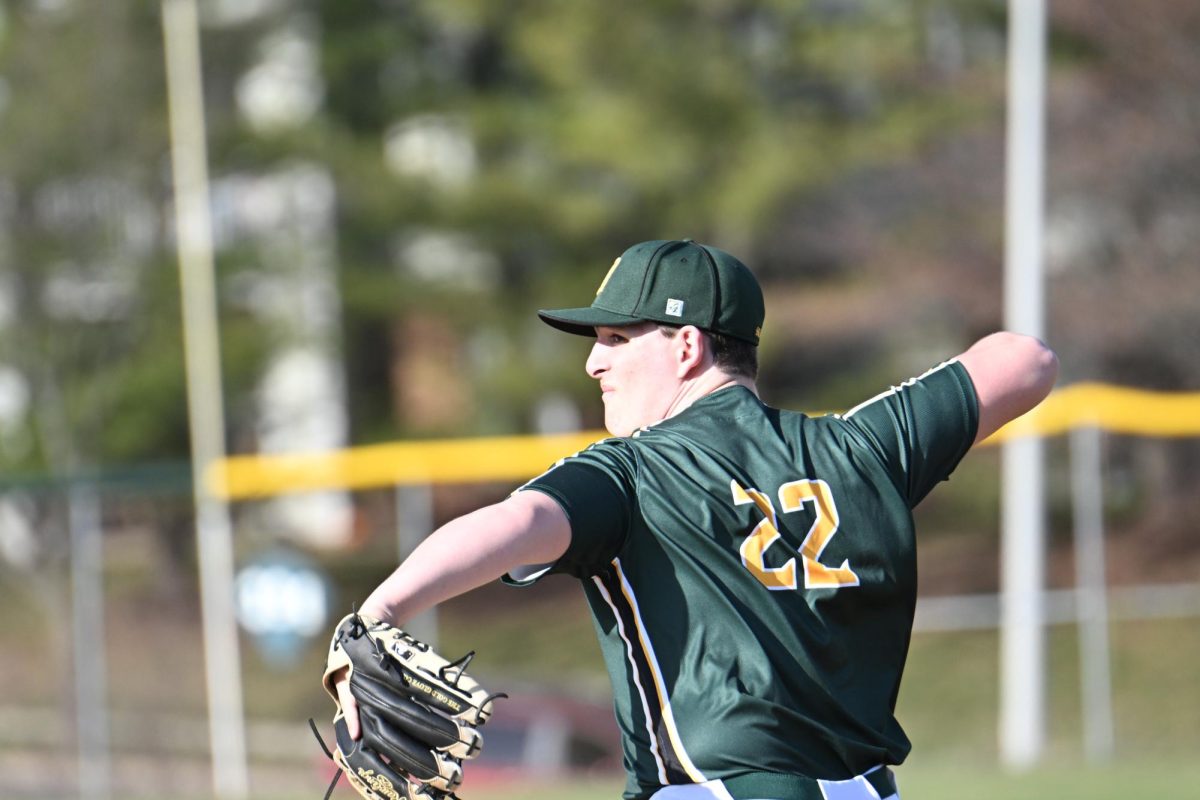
(611, 270)
(674, 307)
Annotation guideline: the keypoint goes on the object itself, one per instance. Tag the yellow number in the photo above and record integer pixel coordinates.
(763, 536)
(792, 497)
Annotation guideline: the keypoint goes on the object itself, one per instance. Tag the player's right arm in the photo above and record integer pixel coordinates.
(1012, 373)
(474, 549)
(465, 553)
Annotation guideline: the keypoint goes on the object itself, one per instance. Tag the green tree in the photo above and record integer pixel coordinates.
(594, 125)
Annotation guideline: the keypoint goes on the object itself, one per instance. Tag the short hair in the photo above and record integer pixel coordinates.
(735, 356)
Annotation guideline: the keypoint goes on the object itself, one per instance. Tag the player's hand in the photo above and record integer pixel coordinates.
(341, 682)
(411, 718)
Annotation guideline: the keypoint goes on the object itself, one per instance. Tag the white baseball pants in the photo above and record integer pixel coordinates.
(855, 788)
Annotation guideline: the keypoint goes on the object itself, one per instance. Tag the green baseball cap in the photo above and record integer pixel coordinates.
(676, 283)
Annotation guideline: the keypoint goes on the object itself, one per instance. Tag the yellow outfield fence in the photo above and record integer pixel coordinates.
(1117, 409)
(1112, 408)
(490, 458)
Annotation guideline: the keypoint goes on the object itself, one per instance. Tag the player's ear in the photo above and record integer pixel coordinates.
(692, 350)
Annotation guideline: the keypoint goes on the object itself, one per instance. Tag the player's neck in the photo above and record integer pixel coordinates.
(711, 380)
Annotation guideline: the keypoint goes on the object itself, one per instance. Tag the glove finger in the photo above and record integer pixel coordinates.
(419, 722)
(407, 754)
(370, 775)
(427, 676)
(462, 697)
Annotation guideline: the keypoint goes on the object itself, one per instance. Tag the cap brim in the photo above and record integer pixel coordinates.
(583, 321)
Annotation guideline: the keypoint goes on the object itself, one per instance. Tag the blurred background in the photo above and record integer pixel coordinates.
(396, 185)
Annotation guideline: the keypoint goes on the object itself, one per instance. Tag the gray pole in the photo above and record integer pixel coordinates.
(414, 521)
(214, 536)
(1022, 658)
(1091, 595)
(90, 659)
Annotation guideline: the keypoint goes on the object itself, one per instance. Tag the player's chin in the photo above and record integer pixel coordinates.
(617, 426)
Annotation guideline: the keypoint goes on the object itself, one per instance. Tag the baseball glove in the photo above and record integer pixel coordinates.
(419, 713)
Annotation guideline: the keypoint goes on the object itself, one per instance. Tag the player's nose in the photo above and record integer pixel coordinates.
(596, 364)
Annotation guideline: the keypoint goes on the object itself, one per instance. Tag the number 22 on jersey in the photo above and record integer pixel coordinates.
(792, 497)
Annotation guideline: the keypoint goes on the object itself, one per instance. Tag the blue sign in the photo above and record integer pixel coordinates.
(282, 601)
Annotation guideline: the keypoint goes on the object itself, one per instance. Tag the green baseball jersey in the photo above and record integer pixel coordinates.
(751, 573)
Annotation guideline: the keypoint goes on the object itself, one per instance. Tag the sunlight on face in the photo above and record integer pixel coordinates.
(637, 374)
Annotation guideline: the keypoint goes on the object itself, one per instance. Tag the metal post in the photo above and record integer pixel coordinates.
(1022, 605)
(1091, 594)
(1022, 689)
(90, 659)
(414, 521)
(193, 226)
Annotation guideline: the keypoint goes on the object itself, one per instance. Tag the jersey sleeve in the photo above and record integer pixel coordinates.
(596, 490)
(921, 429)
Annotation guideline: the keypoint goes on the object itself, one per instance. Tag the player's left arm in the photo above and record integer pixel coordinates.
(1012, 373)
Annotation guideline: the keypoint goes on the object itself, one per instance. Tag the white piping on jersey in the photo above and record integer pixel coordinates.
(664, 701)
(894, 389)
(637, 681)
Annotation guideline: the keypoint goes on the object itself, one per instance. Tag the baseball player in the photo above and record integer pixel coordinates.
(751, 572)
